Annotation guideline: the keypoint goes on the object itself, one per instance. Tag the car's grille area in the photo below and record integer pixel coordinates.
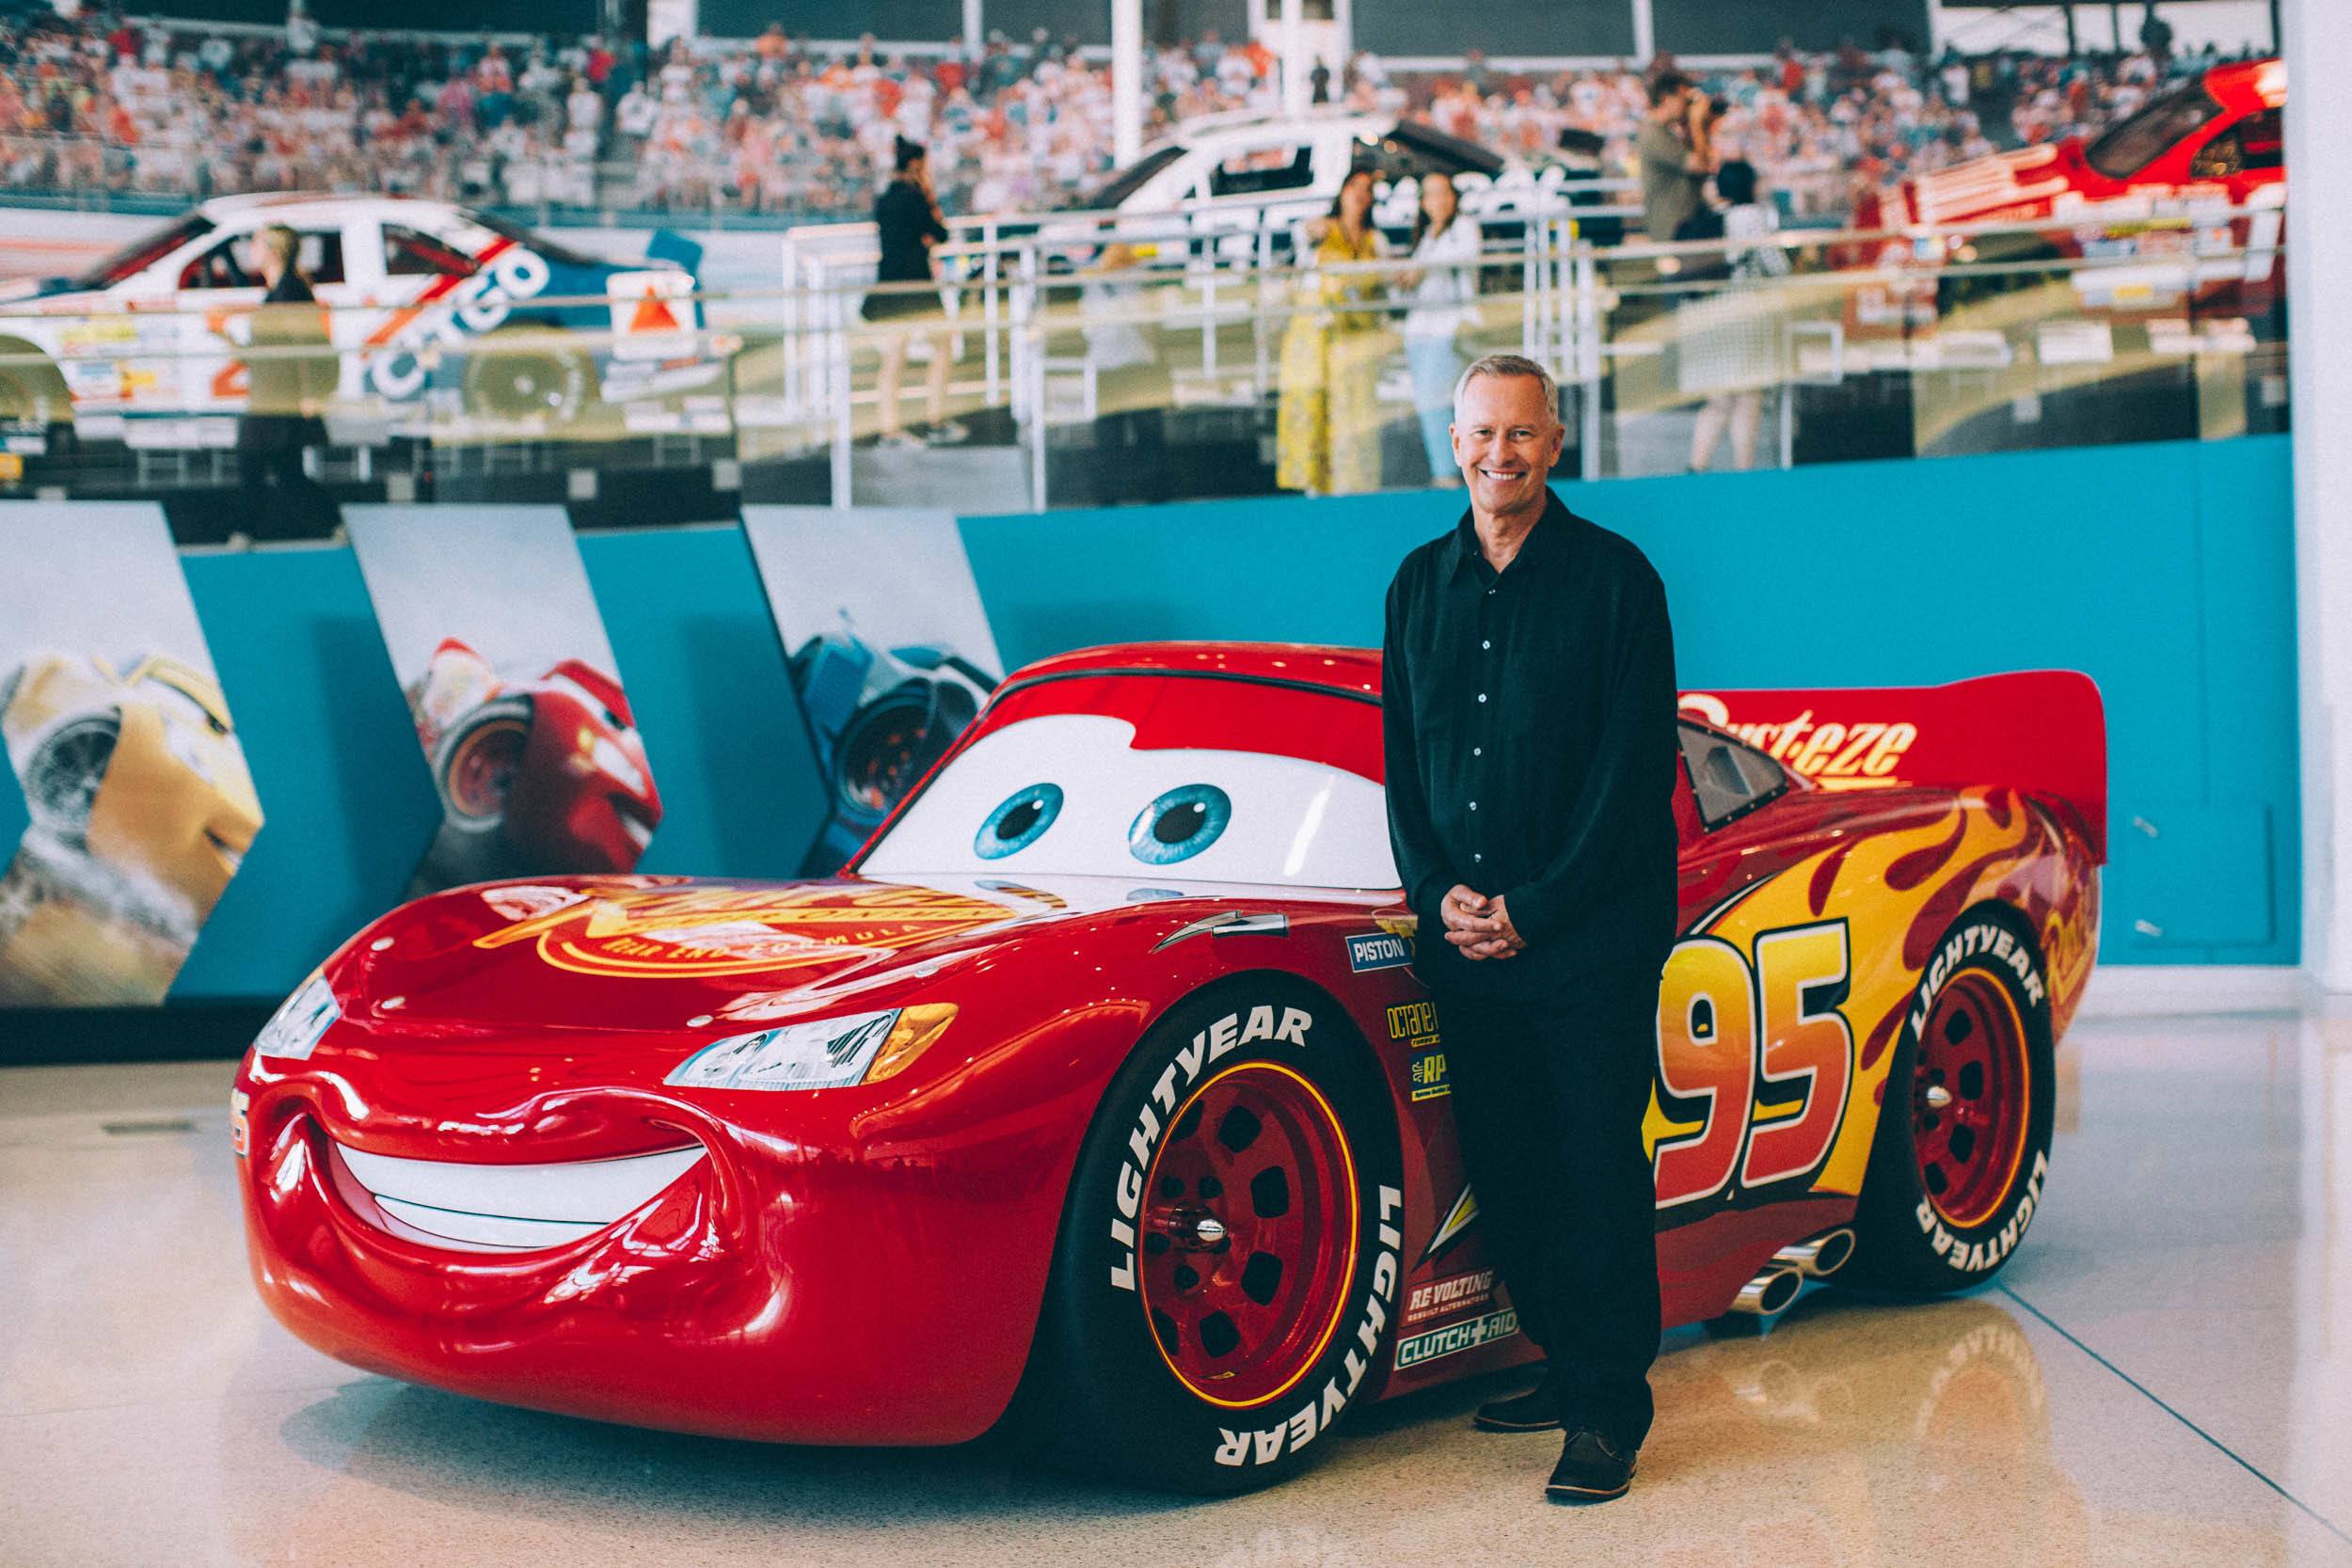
(478, 1208)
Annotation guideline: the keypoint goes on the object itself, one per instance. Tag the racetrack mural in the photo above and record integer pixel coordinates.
(139, 804)
(501, 651)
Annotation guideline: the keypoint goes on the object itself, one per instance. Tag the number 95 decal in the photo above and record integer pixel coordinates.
(1755, 1062)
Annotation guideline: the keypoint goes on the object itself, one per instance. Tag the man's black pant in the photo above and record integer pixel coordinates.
(1548, 1096)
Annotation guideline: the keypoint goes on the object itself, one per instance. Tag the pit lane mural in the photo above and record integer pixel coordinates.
(1125, 986)
(519, 710)
(890, 651)
(139, 803)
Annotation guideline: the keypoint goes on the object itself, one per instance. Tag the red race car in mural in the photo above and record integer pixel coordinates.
(2184, 199)
(1098, 1095)
(548, 775)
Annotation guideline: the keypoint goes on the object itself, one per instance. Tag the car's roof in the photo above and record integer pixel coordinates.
(1212, 132)
(316, 203)
(1352, 671)
(2248, 85)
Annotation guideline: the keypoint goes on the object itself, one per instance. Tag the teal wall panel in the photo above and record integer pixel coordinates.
(346, 795)
(705, 679)
(2164, 571)
(14, 818)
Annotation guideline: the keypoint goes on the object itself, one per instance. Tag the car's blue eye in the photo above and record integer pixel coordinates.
(1017, 823)
(1180, 824)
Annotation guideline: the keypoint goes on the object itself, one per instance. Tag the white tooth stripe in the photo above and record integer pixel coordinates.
(452, 1198)
(479, 1232)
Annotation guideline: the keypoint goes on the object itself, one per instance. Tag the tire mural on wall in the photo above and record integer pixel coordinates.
(519, 709)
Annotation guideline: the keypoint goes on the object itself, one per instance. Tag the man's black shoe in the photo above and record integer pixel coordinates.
(1592, 1469)
(1537, 1410)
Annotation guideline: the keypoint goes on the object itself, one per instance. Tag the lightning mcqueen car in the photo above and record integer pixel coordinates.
(420, 298)
(1098, 1094)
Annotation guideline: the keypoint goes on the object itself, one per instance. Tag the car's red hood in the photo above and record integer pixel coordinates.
(501, 965)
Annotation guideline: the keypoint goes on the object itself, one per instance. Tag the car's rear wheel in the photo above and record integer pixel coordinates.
(479, 759)
(526, 372)
(1229, 1261)
(1963, 1146)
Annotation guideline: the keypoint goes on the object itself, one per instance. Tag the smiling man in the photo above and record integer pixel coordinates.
(1529, 692)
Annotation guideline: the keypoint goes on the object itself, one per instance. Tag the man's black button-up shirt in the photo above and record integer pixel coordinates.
(1531, 751)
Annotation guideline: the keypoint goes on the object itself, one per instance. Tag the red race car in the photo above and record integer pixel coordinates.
(1098, 1094)
(2184, 199)
(548, 775)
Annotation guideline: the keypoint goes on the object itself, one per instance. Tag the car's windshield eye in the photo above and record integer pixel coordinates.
(1019, 822)
(1180, 824)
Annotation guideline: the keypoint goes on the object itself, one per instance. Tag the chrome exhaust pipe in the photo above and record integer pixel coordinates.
(1770, 1292)
(1819, 1258)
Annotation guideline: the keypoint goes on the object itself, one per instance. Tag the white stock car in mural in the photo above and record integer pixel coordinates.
(431, 307)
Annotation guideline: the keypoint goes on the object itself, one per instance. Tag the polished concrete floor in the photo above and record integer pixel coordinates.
(2163, 1375)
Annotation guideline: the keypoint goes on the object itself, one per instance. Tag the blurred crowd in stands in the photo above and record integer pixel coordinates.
(772, 125)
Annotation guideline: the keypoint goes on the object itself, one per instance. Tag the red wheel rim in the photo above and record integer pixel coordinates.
(482, 774)
(1970, 1100)
(1250, 1220)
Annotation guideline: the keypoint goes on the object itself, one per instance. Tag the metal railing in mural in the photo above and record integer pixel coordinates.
(1087, 360)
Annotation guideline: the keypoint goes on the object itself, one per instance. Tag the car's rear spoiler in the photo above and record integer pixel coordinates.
(2042, 732)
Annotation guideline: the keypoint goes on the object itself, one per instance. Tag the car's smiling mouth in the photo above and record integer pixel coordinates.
(483, 1207)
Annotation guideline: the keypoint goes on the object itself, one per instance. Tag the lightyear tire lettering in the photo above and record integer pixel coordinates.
(1119, 1382)
(1907, 1235)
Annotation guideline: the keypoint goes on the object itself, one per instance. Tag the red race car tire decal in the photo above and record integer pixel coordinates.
(1924, 1187)
(1103, 1387)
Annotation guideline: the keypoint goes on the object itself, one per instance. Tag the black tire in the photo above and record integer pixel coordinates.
(524, 372)
(465, 805)
(1101, 1394)
(63, 774)
(1906, 1236)
(32, 394)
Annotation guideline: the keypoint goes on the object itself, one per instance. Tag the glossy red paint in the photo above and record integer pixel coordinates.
(865, 1264)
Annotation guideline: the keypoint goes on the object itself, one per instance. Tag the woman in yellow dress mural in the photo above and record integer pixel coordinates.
(1327, 431)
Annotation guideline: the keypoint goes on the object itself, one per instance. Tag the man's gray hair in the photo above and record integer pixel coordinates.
(1508, 364)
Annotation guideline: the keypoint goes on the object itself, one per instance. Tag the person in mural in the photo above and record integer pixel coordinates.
(908, 217)
(286, 387)
(1527, 701)
(1327, 430)
(1444, 242)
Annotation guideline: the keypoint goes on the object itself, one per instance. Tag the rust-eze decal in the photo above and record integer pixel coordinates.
(725, 930)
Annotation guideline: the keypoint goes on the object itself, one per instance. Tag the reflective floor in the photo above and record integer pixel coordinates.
(2163, 1375)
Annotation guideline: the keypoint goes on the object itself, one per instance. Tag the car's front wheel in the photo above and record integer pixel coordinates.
(1229, 1255)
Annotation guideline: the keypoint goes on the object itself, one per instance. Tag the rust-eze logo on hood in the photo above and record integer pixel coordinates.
(727, 930)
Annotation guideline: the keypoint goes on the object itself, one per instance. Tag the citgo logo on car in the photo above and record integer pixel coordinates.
(1455, 1338)
(1386, 950)
(1319, 1411)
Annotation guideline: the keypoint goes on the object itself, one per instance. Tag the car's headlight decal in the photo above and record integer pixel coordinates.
(822, 1054)
(294, 1030)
